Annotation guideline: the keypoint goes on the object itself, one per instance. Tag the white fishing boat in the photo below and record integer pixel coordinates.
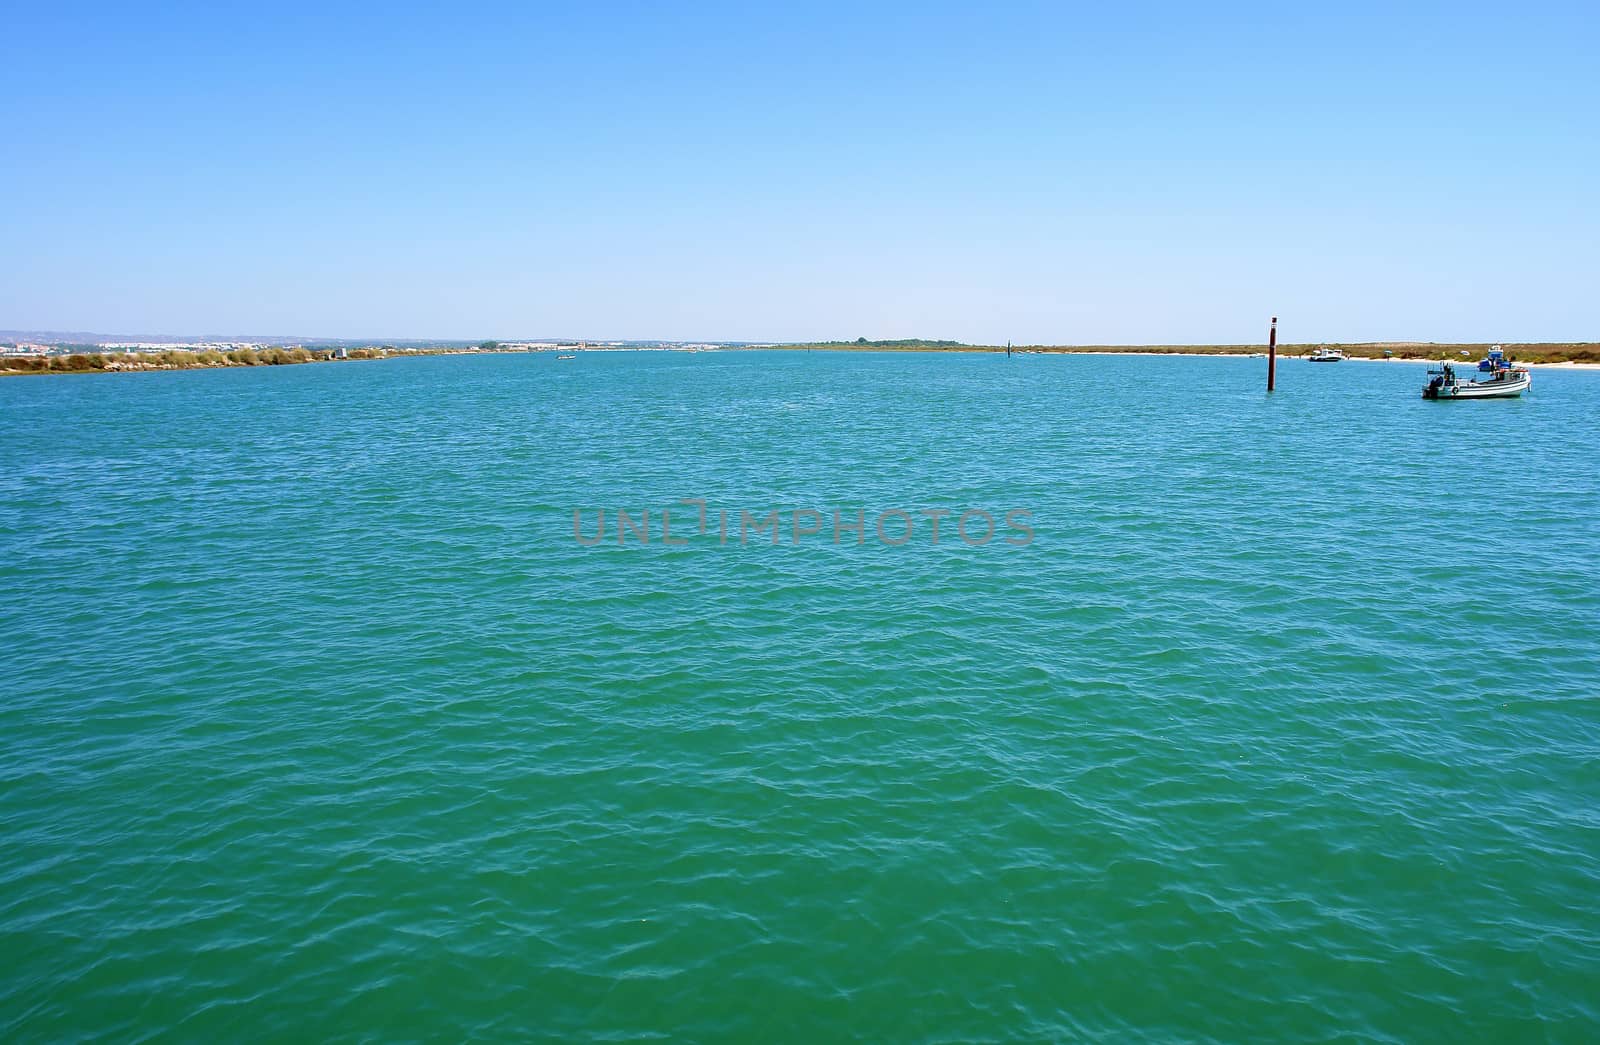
(1505, 381)
(1327, 355)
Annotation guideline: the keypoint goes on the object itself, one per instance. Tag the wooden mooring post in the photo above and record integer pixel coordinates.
(1272, 355)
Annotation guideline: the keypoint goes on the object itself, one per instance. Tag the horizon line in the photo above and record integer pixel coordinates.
(77, 337)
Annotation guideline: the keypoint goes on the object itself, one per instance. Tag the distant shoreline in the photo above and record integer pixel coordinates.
(1572, 355)
(1536, 353)
(185, 359)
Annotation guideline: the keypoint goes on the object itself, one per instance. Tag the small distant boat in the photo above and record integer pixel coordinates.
(1495, 360)
(567, 357)
(1505, 380)
(1327, 355)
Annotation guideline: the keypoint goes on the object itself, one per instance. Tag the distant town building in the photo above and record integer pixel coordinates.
(187, 346)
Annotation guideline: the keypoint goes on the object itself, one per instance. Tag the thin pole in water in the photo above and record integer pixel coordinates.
(1272, 355)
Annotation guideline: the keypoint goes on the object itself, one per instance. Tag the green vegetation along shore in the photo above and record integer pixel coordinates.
(88, 362)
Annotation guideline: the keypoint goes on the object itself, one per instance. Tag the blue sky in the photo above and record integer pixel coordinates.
(1119, 173)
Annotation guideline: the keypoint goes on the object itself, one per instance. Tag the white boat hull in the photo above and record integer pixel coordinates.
(1504, 388)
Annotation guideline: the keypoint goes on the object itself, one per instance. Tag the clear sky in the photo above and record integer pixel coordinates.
(1034, 172)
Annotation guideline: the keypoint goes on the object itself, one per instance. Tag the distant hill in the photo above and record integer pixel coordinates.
(89, 337)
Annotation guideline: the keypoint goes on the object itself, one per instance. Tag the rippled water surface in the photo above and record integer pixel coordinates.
(317, 722)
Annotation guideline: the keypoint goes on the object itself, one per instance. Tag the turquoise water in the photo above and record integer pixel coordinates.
(319, 723)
